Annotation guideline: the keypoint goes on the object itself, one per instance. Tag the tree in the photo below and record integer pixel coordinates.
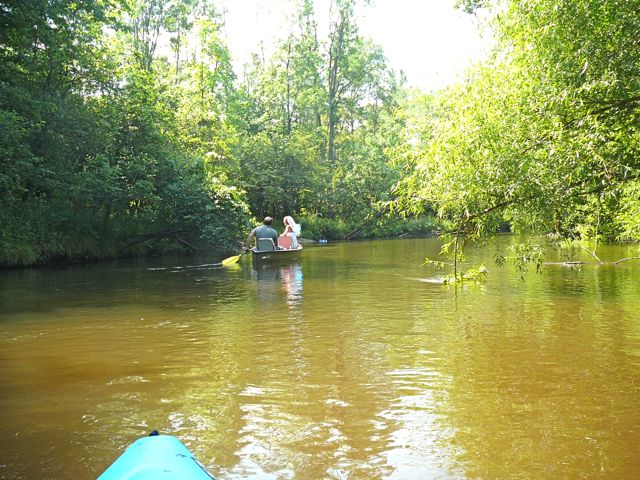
(95, 159)
(544, 132)
(325, 112)
(51, 54)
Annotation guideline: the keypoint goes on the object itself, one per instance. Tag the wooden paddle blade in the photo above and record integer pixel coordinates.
(230, 260)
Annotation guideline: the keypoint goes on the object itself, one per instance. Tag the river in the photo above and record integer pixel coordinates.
(353, 362)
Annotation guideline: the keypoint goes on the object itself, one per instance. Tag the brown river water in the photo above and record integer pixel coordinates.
(352, 363)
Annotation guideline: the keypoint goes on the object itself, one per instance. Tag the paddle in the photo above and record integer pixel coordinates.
(234, 259)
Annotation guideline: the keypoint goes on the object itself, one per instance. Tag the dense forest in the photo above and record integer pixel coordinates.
(125, 131)
(543, 136)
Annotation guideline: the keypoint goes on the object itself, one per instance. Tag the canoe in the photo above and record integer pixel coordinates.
(157, 457)
(275, 256)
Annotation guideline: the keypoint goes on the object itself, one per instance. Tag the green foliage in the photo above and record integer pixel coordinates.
(523, 255)
(319, 119)
(399, 226)
(317, 228)
(124, 131)
(95, 160)
(544, 134)
(475, 274)
(436, 263)
(627, 221)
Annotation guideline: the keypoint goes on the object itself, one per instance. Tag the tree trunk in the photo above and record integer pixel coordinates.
(335, 57)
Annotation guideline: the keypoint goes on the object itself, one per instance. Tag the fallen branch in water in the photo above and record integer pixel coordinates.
(600, 262)
(568, 264)
(625, 260)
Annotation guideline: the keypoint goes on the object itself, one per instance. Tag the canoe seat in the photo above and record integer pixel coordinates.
(285, 242)
(265, 245)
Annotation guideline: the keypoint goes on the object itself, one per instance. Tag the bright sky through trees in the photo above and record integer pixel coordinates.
(429, 40)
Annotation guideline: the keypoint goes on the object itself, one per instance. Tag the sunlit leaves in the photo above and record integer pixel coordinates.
(101, 157)
(541, 129)
(628, 219)
(322, 113)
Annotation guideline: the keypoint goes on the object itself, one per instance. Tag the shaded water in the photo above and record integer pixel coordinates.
(351, 363)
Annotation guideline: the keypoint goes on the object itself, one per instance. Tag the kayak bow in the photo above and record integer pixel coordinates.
(157, 457)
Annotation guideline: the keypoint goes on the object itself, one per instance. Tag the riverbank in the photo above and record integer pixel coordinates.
(315, 228)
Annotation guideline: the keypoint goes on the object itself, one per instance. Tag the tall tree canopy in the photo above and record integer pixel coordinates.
(125, 130)
(544, 135)
(324, 111)
(96, 161)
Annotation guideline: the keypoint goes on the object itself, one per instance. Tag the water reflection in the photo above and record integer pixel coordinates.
(292, 282)
(272, 280)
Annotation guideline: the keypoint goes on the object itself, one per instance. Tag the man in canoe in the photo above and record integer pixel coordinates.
(263, 231)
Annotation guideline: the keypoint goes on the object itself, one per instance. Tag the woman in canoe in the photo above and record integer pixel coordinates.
(291, 230)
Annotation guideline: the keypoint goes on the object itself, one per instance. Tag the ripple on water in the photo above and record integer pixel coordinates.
(129, 379)
(356, 364)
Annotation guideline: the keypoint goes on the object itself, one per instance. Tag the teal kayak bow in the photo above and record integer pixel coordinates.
(157, 457)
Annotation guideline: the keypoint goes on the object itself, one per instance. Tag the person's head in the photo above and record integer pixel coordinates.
(288, 221)
(267, 221)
